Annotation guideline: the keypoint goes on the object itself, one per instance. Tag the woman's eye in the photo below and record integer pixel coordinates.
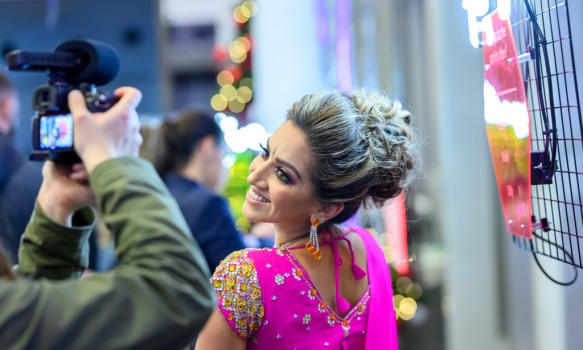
(282, 176)
(265, 153)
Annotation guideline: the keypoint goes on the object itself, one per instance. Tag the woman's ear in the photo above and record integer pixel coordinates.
(329, 211)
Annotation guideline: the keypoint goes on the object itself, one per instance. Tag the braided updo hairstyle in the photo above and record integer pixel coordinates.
(362, 147)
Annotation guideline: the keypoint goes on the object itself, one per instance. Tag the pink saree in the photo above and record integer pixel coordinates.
(266, 297)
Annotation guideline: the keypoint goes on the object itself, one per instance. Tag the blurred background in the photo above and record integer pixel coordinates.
(461, 284)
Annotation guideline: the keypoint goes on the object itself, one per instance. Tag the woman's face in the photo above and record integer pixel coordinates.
(281, 189)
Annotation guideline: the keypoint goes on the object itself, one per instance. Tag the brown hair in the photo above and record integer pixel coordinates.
(176, 140)
(362, 146)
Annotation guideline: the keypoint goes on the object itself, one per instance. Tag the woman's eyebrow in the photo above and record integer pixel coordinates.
(284, 163)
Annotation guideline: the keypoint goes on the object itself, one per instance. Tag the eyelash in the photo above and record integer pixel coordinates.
(265, 154)
(279, 172)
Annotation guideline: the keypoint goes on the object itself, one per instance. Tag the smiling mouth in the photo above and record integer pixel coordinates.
(258, 197)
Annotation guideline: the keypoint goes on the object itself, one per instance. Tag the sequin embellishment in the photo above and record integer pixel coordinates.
(239, 293)
(297, 273)
(279, 279)
(307, 318)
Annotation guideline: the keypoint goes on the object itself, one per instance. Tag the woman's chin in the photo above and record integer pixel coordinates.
(251, 214)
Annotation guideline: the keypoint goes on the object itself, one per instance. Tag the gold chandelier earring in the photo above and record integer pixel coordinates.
(313, 246)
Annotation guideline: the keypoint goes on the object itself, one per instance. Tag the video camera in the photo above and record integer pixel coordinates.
(74, 65)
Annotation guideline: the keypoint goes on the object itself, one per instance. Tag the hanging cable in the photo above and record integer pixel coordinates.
(534, 254)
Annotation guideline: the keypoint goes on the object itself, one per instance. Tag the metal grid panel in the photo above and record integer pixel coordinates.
(560, 202)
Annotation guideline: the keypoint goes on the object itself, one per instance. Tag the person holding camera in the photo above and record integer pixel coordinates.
(158, 297)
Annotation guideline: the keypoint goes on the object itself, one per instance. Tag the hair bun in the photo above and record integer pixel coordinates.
(392, 150)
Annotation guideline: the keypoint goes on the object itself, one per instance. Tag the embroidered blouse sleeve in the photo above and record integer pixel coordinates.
(239, 294)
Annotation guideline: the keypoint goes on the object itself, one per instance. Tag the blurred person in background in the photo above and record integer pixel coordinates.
(158, 297)
(323, 286)
(20, 179)
(188, 154)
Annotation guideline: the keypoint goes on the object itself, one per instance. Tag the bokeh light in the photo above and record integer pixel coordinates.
(248, 82)
(390, 254)
(238, 59)
(229, 124)
(245, 42)
(251, 6)
(229, 160)
(402, 284)
(245, 93)
(414, 291)
(407, 308)
(239, 14)
(225, 78)
(219, 102)
(237, 104)
(229, 92)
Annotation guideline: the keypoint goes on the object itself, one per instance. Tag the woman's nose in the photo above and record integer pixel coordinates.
(257, 176)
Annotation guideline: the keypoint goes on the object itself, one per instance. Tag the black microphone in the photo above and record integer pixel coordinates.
(79, 61)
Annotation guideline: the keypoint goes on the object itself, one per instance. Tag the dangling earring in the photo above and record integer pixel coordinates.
(313, 246)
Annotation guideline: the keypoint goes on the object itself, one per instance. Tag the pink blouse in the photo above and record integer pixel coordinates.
(266, 297)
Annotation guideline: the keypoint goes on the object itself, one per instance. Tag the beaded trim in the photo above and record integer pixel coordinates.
(238, 291)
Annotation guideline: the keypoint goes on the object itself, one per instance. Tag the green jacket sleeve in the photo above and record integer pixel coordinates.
(158, 297)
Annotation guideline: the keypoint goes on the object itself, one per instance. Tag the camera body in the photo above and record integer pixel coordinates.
(74, 65)
(52, 126)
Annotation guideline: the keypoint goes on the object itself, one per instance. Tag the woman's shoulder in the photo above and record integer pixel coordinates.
(239, 293)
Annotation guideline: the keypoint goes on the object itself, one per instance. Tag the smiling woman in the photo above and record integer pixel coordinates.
(335, 153)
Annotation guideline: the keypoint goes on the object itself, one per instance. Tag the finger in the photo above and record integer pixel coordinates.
(79, 176)
(77, 105)
(78, 167)
(130, 98)
(47, 169)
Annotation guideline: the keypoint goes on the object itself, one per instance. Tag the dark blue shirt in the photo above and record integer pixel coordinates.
(20, 182)
(208, 217)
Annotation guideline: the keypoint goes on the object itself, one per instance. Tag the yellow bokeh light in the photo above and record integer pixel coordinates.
(415, 291)
(245, 11)
(245, 93)
(407, 309)
(390, 254)
(397, 299)
(245, 42)
(237, 105)
(237, 48)
(225, 78)
(248, 82)
(229, 92)
(251, 6)
(219, 102)
(239, 14)
(243, 225)
(238, 59)
(402, 284)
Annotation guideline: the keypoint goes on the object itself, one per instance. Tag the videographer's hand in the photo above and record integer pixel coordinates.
(64, 190)
(103, 136)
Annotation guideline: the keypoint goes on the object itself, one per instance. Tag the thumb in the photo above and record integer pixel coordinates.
(77, 105)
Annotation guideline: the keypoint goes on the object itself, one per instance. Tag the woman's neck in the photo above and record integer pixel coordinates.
(286, 232)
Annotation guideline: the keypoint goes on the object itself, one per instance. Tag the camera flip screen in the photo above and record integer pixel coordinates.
(56, 132)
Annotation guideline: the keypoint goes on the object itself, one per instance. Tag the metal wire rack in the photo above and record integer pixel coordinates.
(557, 207)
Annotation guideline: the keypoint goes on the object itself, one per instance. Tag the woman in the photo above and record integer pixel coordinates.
(322, 287)
(188, 155)
(157, 298)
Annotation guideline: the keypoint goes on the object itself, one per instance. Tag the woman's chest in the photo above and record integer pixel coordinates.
(298, 317)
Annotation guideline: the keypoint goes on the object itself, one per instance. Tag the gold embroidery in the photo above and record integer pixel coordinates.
(238, 290)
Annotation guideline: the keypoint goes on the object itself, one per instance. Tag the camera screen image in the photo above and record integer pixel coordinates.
(56, 132)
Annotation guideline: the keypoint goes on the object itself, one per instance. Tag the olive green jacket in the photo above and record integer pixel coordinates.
(158, 297)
